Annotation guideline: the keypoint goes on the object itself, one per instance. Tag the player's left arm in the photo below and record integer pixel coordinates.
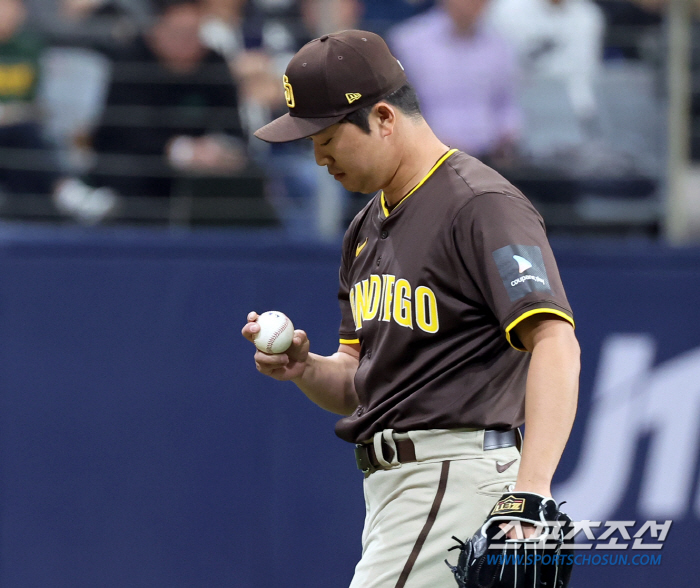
(550, 398)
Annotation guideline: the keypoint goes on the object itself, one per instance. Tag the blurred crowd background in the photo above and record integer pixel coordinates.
(142, 112)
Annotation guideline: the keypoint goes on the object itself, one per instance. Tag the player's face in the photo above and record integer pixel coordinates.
(355, 159)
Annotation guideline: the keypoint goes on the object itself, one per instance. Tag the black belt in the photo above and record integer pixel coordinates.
(367, 461)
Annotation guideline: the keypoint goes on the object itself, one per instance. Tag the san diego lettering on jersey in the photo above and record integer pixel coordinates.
(431, 308)
(388, 298)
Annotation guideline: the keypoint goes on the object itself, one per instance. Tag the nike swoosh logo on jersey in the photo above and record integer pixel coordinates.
(504, 467)
(361, 247)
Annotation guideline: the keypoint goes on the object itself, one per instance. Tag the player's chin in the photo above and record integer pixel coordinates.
(353, 184)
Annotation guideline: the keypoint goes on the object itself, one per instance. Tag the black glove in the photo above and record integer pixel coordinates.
(490, 560)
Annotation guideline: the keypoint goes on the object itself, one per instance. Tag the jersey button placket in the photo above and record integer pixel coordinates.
(384, 234)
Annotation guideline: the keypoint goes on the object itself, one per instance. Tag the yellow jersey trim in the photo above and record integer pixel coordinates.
(361, 247)
(529, 313)
(430, 173)
(349, 341)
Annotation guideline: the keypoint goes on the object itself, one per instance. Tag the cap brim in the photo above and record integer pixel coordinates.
(290, 128)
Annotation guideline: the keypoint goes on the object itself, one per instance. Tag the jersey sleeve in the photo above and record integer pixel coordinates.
(347, 333)
(502, 245)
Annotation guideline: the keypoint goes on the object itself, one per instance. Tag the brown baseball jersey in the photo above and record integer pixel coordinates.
(432, 291)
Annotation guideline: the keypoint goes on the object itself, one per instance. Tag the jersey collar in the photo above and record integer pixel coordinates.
(430, 173)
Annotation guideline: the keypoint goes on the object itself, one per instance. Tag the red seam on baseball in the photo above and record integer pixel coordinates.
(276, 334)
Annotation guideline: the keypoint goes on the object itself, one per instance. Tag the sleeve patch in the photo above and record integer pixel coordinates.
(522, 270)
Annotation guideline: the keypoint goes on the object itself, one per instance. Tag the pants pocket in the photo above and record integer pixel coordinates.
(497, 487)
(505, 463)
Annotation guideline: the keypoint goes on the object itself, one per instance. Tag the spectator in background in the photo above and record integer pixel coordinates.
(381, 15)
(328, 16)
(20, 52)
(641, 19)
(233, 27)
(171, 100)
(222, 27)
(465, 76)
(225, 29)
(557, 39)
(274, 35)
(100, 24)
(31, 167)
(258, 37)
(81, 35)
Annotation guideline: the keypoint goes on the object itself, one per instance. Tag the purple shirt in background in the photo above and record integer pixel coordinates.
(466, 83)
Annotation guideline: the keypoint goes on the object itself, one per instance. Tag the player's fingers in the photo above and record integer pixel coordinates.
(269, 370)
(275, 360)
(529, 530)
(249, 330)
(251, 327)
(511, 533)
(265, 369)
(300, 346)
(300, 337)
(519, 530)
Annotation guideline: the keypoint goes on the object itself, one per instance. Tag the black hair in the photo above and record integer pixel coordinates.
(405, 99)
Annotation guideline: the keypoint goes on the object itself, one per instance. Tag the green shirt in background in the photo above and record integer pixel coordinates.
(19, 68)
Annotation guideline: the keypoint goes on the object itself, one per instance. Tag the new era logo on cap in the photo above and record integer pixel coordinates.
(352, 97)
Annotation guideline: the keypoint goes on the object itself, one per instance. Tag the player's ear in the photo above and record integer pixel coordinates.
(385, 117)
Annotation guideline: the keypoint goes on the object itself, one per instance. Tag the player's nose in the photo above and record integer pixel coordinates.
(321, 157)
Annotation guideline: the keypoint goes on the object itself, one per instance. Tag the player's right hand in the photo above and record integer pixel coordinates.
(280, 366)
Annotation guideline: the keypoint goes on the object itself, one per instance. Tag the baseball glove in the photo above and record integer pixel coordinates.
(490, 560)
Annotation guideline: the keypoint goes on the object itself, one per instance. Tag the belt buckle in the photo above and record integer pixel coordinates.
(362, 458)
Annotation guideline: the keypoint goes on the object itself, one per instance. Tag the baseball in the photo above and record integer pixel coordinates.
(275, 334)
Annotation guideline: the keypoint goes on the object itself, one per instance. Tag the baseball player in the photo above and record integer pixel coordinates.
(455, 327)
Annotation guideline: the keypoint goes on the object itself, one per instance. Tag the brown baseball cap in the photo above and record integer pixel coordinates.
(331, 77)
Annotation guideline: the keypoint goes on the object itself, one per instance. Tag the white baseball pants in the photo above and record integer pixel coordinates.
(414, 509)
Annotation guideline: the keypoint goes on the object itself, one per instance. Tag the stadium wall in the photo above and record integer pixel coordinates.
(139, 446)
